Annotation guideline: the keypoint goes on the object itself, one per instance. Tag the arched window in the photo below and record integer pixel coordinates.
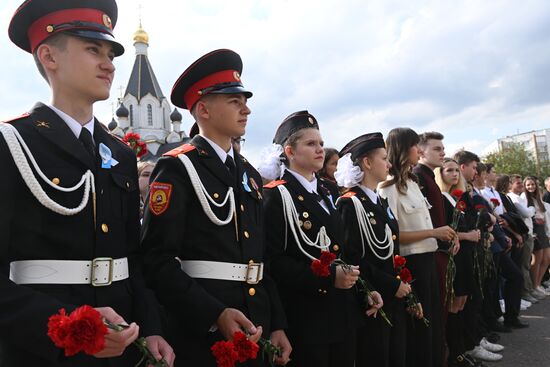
(131, 115)
(149, 115)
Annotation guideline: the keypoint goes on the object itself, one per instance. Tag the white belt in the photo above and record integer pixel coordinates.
(250, 273)
(101, 271)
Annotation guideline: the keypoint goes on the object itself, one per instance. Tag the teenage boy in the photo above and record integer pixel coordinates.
(66, 244)
(202, 232)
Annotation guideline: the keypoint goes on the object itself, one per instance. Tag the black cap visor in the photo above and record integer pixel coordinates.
(118, 49)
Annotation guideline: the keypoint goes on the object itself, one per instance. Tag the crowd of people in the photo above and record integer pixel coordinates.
(384, 253)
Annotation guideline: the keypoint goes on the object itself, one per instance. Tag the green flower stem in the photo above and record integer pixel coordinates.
(147, 357)
(364, 287)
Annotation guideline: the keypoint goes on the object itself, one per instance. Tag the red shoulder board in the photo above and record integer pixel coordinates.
(180, 150)
(273, 184)
(348, 195)
(26, 114)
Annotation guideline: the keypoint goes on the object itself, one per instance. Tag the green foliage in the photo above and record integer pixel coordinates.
(514, 158)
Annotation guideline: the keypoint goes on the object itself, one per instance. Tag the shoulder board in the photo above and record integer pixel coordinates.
(348, 195)
(180, 150)
(118, 139)
(26, 114)
(273, 184)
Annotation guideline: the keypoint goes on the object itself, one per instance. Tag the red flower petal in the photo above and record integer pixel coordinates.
(225, 353)
(245, 348)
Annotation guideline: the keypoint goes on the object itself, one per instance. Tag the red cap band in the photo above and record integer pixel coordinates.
(193, 94)
(45, 27)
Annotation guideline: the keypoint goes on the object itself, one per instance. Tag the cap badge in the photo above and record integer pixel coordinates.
(236, 76)
(311, 120)
(107, 21)
(50, 28)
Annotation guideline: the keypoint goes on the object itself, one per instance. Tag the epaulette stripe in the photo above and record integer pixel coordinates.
(348, 194)
(26, 114)
(180, 150)
(273, 184)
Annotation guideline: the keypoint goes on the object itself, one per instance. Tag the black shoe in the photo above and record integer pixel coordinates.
(474, 362)
(515, 324)
(493, 337)
(460, 361)
(499, 328)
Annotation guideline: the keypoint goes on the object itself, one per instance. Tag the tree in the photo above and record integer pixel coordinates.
(513, 158)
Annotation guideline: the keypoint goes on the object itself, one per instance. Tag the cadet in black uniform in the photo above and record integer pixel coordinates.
(64, 245)
(301, 223)
(202, 232)
(371, 237)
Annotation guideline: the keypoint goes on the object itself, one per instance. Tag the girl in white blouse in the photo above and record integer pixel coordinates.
(418, 240)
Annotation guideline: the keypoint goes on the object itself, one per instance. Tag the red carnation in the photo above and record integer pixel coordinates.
(461, 205)
(495, 202)
(399, 261)
(319, 269)
(244, 347)
(327, 258)
(405, 275)
(225, 353)
(131, 138)
(457, 193)
(479, 207)
(83, 330)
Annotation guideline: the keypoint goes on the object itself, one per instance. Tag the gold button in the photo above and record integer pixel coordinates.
(246, 234)
(49, 28)
(336, 247)
(242, 208)
(251, 291)
(105, 228)
(307, 224)
(127, 184)
(320, 291)
(216, 195)
(394, 237)
(324, 291)
(305, 215)
(300, 197)
(56, 181)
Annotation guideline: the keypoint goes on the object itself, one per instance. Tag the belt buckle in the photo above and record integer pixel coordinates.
(95, 264)
(249, 268)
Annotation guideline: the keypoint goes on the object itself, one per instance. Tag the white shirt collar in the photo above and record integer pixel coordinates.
(373, 196)
(74, 125)
(310, 186)
(219, 151)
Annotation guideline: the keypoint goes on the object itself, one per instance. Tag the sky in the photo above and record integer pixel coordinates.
(472, 70)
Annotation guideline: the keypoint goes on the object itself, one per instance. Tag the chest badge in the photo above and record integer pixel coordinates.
(245, 183)
(107, 160)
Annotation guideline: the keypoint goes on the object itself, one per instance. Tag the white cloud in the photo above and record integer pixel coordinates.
(469, 69)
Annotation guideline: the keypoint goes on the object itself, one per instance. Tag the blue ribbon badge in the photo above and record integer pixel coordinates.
(245, 183)
(107, 160)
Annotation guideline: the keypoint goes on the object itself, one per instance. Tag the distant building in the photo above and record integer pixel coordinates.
(535, 142)
(144, 109)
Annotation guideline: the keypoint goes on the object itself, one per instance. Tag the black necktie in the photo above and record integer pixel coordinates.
(87, 141)
(230, 164)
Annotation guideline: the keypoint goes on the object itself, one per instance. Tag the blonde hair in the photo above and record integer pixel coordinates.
(443, 186)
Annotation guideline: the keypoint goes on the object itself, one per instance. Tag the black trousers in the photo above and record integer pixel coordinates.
(339, 354)
(513, 282)
(425, 343)
(491, 306)
(381, 345)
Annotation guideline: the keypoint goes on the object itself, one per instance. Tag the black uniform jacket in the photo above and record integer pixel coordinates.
(185, 232)
(380, 273)
(30, 231)
(317, 312)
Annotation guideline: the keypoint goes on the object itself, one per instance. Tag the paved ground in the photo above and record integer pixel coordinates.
(529, 347)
